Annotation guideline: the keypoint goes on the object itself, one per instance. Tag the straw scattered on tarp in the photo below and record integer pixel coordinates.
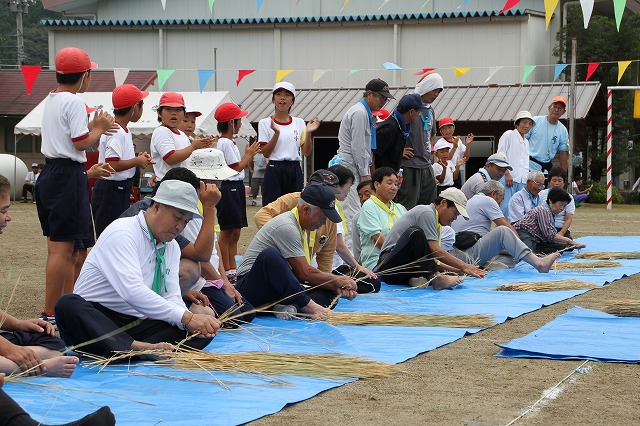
(557, 285)
(608, 255)
(586, 265)
(621, 307)
(410, 320)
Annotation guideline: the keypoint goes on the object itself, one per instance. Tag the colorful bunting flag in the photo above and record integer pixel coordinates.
(587, 8)
(344, 4)
(424, 71)
(353, 71)
(549, 8)
(591, 68)
(558, 71)
(242, 74)
(526, 71)
(424, 4)
(622, 67)
(508, 5)
(280, 74)
(317, 74)
(618, 9)
(211, 5)
(259, 4)
(459, 72)
(385, 2)
(164, 4)
(636, 104)
(391, 66)
(464, 3)
(163, 76)
(203, 78)
(492, 72)
(120, 75)
(30, 75)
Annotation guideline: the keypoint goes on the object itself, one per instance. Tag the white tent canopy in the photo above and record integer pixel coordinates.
(205, 102)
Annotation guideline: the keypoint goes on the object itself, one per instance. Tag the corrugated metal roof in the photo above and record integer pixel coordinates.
(15, 101)
(463, 103)
(288, 20)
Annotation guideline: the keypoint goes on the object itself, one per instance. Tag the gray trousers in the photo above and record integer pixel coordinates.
(500, 238)
(351, 205)
(418, 187)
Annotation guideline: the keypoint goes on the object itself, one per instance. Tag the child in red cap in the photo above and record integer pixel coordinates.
(62, 197)
(111, 196)
(232, 207)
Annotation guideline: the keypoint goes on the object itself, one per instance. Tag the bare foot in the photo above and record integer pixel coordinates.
(144, 346)
(315, 311)
(442, 281)
(60, 366)
(544, 264)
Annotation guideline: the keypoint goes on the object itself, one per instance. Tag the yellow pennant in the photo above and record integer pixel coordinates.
(280, 74)
(459, 72)
(622, 67)
(549, 8)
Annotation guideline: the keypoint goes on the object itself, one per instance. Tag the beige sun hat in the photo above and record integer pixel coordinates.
(209, 163)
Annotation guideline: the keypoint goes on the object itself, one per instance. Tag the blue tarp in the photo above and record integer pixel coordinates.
(581, 334)
(139, 399)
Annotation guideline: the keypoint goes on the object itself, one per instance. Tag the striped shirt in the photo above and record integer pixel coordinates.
(538, 222)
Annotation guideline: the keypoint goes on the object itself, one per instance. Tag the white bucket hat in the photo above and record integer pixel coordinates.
(523, 114)
(209, 163)
(178, 194)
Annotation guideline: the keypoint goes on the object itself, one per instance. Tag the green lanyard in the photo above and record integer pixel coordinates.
(159, 283)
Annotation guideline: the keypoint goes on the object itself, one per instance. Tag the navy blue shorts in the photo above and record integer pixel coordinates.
(30, 338)
(108, 200)
(62, 200)
(232, 207)
(281, 177)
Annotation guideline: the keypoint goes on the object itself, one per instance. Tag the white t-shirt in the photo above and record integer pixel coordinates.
(290, 139)
(118, 146)
(119, 270)
(483, 210)
(516, 148)
(559, 218)
(164, 142)
(64, 121)
(448, 177)
(31, 177)
(231, 156)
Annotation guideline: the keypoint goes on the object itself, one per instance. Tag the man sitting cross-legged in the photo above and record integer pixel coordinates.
(131, 275)
(278, 260)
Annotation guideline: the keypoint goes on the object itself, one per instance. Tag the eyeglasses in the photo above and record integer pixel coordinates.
(558, 107)
(539, 185)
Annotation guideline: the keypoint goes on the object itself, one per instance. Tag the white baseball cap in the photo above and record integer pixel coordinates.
(209, 163)
(441, 144)
(458, 198)
(286, 86)
(178, 194)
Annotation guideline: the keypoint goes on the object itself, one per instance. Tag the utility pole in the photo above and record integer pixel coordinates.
(20, 7)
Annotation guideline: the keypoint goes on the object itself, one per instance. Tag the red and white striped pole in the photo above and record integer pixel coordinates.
(609, 146)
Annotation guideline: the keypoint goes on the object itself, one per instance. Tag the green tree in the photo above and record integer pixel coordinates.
(35, 36)
(601, 42)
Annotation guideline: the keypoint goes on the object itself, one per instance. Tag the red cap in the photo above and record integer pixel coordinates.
(445, 121)
(228, 111)
(382, 114)
(127, 95)
(171, 99)
(71, 60)
(559, 100)
(89, 109)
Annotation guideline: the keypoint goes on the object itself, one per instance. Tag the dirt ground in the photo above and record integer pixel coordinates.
(460, 383)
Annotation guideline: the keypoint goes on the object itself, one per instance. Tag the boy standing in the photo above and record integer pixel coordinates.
(111, 195)
(61, 189)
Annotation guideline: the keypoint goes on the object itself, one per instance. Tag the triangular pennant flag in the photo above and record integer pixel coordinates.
(164, 4)
(636, 104)
(424, 4)
(549, 8)
(30, 75)
(492, 72)
(622, 67)
(391, 66)
(558, 71)
(459, 72)
(591, 68)
(385, 2)
(424, 71)
(464, 3)
(353, 71)
(508, 5)
(526, 71)
(344, 4)
(120, 75)
(587, 8)
(618, 9)
(280, 74)
(242, 74)
(317, 74)
(163, 76)
(211, 5)
(203, 78)
(259, 4)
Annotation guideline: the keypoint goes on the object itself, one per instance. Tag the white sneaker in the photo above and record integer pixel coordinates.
(285, 312)
(418, 282)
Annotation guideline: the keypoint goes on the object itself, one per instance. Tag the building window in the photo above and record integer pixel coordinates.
(25, 143)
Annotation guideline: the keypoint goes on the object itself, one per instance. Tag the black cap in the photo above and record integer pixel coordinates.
(322, 176)
(380, 87)
(322, 196)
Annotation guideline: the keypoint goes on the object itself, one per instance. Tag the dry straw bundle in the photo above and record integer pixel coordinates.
(547, 286)
(586, 265)
(621, 307)
(327, 365)
(410, 320)
(608, 255)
